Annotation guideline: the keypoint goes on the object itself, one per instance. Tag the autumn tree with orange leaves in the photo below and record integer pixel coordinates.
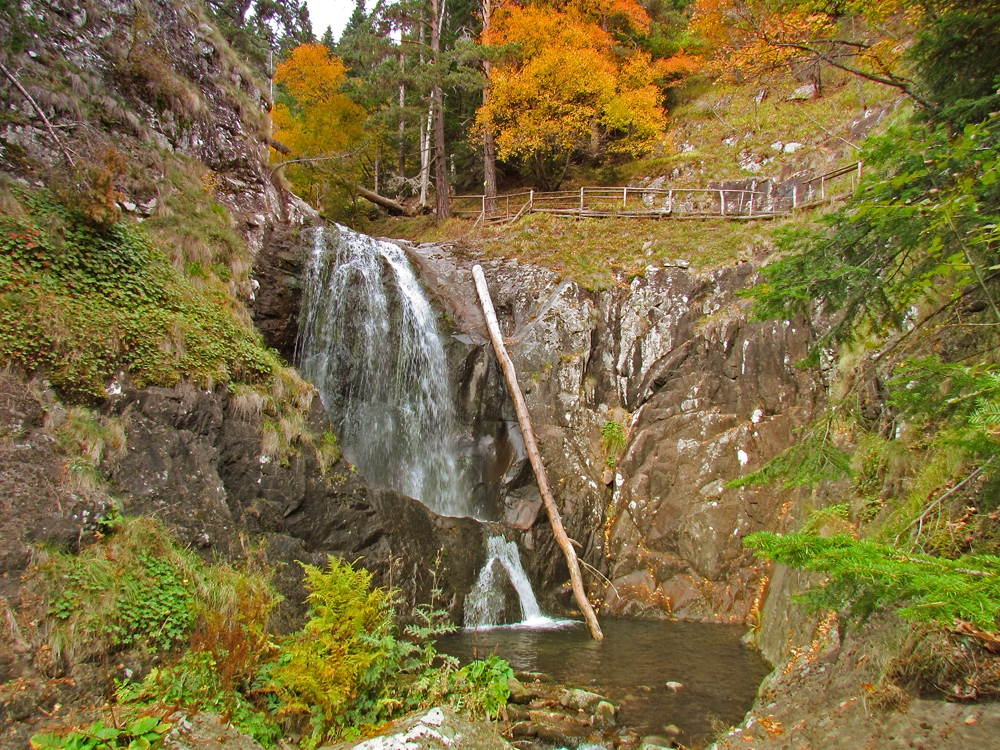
(563, 88)
(317, 121)
(758, 38)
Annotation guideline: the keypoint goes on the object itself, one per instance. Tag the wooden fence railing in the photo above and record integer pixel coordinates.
(636, 202)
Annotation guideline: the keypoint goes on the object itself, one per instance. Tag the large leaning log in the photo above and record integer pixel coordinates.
(534, 455)
(394, 208)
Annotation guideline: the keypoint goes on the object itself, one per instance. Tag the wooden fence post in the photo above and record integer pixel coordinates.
(722, 201)
(581, 202)
(624, 198)
(534, 455)
(531, 201)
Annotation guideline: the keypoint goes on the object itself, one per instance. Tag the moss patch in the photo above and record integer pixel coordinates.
(83, 303)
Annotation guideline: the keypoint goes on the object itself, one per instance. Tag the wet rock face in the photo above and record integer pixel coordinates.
(195, 464)
(279, 269)
(704, 396)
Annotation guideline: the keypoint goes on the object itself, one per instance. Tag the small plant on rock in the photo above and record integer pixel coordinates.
(613, 440)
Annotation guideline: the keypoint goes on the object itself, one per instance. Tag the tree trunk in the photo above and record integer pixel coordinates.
(401, 155)
(437, 105)
(489, 171)
(489, 146)
(394, 208)
(535, 456)
(440, 160)
(425, 155)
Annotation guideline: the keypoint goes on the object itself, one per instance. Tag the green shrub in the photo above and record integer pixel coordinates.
(347, 670)
(344, 673)
(482, 687)
(613, 441)
(83, 303)
(144, 733)
(226, 668)
(197, 682)
(138, 588)
(867, 576)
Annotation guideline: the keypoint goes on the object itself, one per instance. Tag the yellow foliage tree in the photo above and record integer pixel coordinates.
(316, 120)
(567, 91)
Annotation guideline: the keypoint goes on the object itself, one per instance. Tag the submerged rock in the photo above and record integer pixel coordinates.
(520, 693)
(655, 741)
(604, 715)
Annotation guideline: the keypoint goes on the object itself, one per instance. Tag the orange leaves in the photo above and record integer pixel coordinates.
(317, 119)
(552, 102)
(568, 89)
(537, 30)
(627, 14)
(311, 75)
(678, 67)
(754, 37)
(320, 119)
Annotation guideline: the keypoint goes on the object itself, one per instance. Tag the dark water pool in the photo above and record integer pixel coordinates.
(632, 666)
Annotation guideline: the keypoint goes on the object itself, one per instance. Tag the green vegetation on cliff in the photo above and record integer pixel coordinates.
(347, 671)
(906, 275)
(86, 302)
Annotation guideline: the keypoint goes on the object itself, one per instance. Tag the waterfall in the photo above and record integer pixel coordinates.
(485, 603)
(369, 342)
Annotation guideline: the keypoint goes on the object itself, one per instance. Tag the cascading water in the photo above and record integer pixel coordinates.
(369, 342)
(485, 604)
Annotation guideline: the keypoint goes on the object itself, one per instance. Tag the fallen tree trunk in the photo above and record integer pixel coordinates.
(394, 208)
(278, 146)
(535, 456)
(38, 110)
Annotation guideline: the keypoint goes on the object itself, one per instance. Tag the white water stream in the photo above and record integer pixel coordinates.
(485, 603)
(369, 342)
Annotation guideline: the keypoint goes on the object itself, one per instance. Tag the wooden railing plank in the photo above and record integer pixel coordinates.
(730, 203)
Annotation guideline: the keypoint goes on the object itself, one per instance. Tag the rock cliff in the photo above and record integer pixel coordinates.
(703, 396)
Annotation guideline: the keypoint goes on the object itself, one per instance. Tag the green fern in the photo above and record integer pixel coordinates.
(613, 440)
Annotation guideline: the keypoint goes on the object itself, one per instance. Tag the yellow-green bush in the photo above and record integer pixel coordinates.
(335, 669)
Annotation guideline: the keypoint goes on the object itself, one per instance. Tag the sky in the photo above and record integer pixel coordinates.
(333, 13)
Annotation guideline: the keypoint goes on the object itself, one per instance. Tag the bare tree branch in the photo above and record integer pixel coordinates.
(48, 125)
